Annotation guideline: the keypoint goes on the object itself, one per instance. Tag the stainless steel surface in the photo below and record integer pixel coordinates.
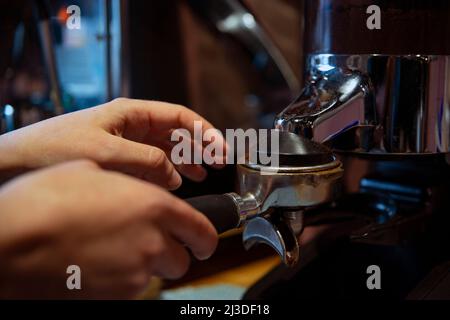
(247, 204)
(290, 187)
(374, 104)
(270, 205)
(277, 234)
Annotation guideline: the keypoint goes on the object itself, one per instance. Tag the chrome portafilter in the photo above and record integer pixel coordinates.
(269, 201)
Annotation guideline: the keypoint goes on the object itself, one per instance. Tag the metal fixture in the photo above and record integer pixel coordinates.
(376, 104)
(269, 206)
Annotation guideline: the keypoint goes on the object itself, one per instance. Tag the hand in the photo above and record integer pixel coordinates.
(119, 230)
(131, 136)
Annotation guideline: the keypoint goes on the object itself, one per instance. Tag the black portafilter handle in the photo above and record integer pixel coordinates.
(220, 209)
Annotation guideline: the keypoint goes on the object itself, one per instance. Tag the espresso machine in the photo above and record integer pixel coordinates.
(377, 98)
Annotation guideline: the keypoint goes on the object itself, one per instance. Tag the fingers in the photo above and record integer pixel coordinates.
(178, 226)
(143, 161)
(166, 116)
(191, 228)
(174, 260)
(160, 119)
(194, 172)
(194, 152)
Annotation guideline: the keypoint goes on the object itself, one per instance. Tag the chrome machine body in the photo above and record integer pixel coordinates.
(375, 104)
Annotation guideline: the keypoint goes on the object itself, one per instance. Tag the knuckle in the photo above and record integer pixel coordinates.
(156, 247)
(157, 157)
(156, 199)
(103, 150)
(120, 104)
(182, 108)
(156, 210)
(121, 100)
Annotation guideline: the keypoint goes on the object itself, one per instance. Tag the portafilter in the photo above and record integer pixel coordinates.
(269, 202)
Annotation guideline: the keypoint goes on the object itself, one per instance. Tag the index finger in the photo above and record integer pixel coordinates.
(163, 116)
(190, 227)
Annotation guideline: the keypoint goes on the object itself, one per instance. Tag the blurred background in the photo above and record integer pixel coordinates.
(234, 62)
